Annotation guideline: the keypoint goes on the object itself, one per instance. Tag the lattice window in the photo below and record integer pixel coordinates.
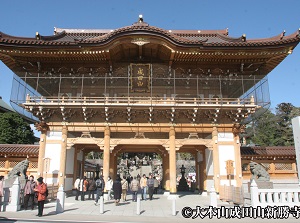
(283, 166)
(266, 166)
(12, 164)
(34, 165)
(2, 164)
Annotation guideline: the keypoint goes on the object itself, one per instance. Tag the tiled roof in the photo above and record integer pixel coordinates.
(274, 151)
(179, 37)
(19, 150)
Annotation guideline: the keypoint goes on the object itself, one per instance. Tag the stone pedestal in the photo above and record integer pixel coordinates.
(261, 185)
(60, 201)
(183, 186)
(213, 197)
(14, 204)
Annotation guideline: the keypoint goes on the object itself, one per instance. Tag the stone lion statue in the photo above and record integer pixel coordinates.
(19, 170)
(258, 172)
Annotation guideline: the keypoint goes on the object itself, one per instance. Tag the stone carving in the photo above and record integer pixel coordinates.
(258, 172)
(19, 170)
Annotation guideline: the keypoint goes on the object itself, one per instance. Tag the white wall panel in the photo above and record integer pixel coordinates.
(225, 137)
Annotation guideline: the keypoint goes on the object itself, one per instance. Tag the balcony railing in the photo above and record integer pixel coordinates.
(139, 101)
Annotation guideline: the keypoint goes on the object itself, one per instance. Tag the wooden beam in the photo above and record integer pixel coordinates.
(108, 57)
(171, 57)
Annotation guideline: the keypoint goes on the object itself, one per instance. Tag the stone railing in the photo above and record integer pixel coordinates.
(273, 197)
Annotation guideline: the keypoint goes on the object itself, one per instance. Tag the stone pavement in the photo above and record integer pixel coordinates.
(157, 210)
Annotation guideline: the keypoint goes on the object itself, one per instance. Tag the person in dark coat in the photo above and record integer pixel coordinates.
(92, 188)
(117, 188)
(150, 185)
(100, 185)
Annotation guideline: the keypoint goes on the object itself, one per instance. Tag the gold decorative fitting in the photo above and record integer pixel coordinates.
(140, 41)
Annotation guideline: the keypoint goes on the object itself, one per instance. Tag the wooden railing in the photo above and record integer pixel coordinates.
(231, 194)
(137, 101)
(52, 191)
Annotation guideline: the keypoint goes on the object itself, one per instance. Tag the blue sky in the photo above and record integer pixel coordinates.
(255, 18)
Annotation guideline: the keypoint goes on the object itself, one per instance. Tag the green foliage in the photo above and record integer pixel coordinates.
(273, 129)
(14, 130)
(94, 155)
(186, 156)
(265, 130)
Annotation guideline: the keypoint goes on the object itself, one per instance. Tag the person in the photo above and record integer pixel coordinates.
(150, 185)
(117, 188)
(41, 189)
(29, 192)
(83, 187)
(124, 183)
(100, 184)
(77, 187)
(143, 184)
(1, 190)
(134, 187)
(156, 184)
(108, 187)
(92, 188)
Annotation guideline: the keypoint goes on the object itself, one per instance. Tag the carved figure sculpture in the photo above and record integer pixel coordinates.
(19, 170)
(258, 172)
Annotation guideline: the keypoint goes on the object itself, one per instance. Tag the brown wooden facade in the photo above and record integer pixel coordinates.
(142, 88)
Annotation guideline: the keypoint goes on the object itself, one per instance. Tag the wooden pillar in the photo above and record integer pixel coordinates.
(43, 128)
(82, 164)
(113, 165)
(166, 169)
(63, 156)
(75, 171)
(172, 161)
(197, 166)
(203, 174)
(238, 162)
(216, 161)
(106, 153)
(6, 165)
(272, 168)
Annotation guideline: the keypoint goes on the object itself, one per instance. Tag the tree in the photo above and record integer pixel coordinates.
(264, 131)
(14, 130)
(271, 129)
(284, 114)
(94, 155)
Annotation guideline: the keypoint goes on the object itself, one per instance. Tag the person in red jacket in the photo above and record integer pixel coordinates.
(41, 195)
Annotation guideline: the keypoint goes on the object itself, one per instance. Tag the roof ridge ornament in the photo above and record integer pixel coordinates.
(140, 22)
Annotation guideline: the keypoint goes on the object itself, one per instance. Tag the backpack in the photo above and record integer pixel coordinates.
(98, 183)
(46, 192)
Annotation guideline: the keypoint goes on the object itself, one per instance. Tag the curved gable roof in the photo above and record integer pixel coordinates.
(177, 37)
